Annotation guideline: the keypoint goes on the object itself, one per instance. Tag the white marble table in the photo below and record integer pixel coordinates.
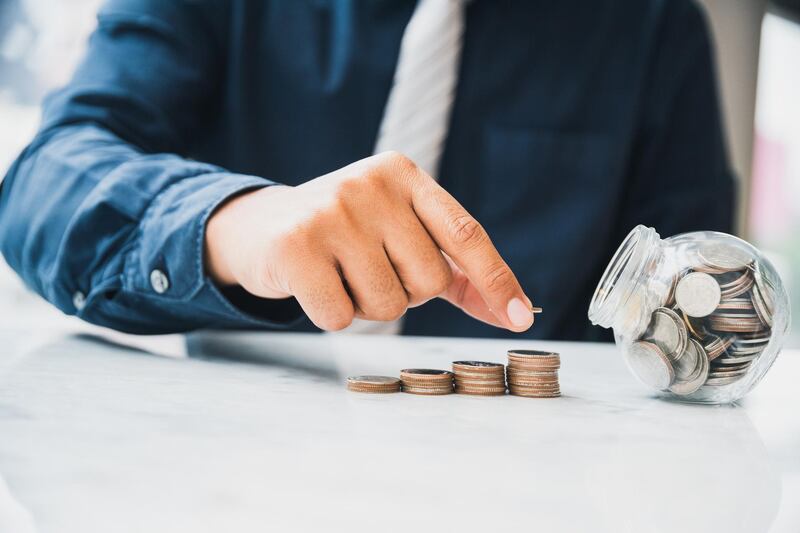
(98, 437)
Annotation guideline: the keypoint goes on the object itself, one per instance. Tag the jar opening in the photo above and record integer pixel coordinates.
(618, 281)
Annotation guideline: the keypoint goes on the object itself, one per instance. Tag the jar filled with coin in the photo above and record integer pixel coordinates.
(700, 316)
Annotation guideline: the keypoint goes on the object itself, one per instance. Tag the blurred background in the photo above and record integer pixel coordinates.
(757, 46)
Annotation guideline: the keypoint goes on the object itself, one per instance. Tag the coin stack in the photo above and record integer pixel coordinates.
(373, 384)
(533, 373)
(479, 378)
(715, 322)
(426, 381)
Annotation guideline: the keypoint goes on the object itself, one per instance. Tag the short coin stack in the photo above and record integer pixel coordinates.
(373, 384)
(479, 378)
(533, 373)
(426, 381)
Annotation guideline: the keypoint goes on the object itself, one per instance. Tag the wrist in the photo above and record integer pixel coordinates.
(225, 230)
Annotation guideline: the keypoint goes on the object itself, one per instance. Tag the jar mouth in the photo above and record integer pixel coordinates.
(615, 287)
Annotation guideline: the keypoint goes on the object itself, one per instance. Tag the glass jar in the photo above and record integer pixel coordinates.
(699, 316)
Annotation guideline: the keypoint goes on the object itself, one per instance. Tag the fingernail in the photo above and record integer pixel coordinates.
(519, 314)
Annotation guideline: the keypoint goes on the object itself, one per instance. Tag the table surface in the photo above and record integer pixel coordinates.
(241, 432)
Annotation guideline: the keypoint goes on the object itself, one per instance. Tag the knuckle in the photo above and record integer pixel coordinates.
(431, 285)
(403, 168)
(441, 281)
(400, 160)
(465, 231)
(498, 278)
(391, 309)
(335, 321)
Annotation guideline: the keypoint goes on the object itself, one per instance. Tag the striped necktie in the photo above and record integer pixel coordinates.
(417, 114)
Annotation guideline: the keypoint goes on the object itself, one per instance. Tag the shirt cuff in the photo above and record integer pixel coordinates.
(167, 260)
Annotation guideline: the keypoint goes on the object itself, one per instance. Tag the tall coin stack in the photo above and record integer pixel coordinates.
(714, 324)
(426, 381)
(479, 378)
(533, 373)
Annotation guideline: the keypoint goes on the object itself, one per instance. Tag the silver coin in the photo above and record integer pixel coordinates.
(698, 294)
(737, 374)
(760, 306)
(725, 256)
(753, 340)
(480, 364)
(765, 289)
(736, 304)
(373, 380)
(668, 332)
(698, 377)
(736, 359)
(737, 350)
(650, 365)
(688, 363)
(731, 370)
(533, 354)
(718, 382)
(426, 372)
(694, 327)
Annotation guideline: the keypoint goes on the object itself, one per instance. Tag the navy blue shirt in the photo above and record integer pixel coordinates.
(573, 122)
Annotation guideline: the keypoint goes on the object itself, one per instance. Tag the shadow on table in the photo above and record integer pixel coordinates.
(255, 349)
(217, 347)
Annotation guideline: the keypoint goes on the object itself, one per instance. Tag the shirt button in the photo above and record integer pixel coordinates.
(159, 281)
(78, 300)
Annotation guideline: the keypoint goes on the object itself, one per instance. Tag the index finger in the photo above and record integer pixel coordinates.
(462, 238)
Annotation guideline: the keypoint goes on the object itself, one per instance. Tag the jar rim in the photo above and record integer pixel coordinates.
(609, 295)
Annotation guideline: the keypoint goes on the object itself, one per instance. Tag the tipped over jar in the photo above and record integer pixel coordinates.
(699, 316)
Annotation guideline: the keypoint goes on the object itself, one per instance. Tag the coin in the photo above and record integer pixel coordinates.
(479, 378)
(721, 372)
(765, 290)
(533, 373)
(427, 391)
(761, 306)
(739, 285)
(698, 294)
(667, 331)
(487, 392)
(693, 326)
(531, 394)
(426, 373)
(736, 359)
(532, 355)
(650, 364)
(699, 375)
(724, 256)
(717, 382)
(717, 346)
(686, 366)
(732, 324)
(672, 285)
(736, 304)
(373, 384)
(473, 388)
(477, 366)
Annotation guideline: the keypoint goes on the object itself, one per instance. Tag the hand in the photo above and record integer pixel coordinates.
(369, 240)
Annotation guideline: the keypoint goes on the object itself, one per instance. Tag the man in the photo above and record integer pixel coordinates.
(209, 164)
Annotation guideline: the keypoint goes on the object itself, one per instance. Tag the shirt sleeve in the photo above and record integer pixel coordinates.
(104, 213)
(679, 178)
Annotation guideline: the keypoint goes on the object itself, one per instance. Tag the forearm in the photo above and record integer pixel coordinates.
(89, 222)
